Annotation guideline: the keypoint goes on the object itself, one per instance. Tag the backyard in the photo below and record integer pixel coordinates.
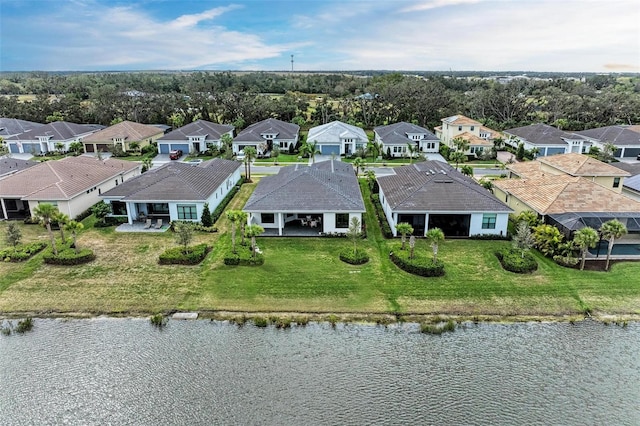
(303, 275)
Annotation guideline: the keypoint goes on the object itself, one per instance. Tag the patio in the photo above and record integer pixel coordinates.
(294, 229)
(141, 227)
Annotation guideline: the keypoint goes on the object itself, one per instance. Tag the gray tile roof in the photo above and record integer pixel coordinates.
(396, 134)
(621, 135)
(324, 186)
(632, 183)
(212, 131)
(433, 186)
(541, 134)
(12, 165)
(58, 130)
(283, 129)
(632, 168)
(176, 182)
(13, 126)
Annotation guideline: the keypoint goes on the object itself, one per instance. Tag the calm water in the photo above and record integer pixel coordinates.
(124, 372)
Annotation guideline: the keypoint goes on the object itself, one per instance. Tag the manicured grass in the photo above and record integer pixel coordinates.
(304, 274)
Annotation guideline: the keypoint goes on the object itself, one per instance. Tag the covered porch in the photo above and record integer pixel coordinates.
(136, 212)
(290, 224)
(13, 208)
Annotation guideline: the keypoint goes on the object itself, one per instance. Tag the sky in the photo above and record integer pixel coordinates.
(322, 35)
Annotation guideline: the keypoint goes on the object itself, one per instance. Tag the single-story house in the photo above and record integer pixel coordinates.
(13, 126)
(174, 191)
(266, 134)
(479, 137)
(395, 137)
(48, 137)
(337, 138)
(122, 134)
(194, 137)
(312, 199)
(548, 140)
(9, 165)
(626, 138)
(433, 194)
(72, 184)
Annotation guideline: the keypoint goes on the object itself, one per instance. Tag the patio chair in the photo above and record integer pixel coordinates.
(158, 224)
(303, 222)
(313, 223)
(147, 225)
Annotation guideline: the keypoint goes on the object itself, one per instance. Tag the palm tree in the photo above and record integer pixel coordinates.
(404, 229)
(412, 245)
(375, 148)
(411, 151)
(611, 230)
(584, 239)
(45, 212)
(310, 149)
(461, 145)
(434, 237)
(242, 220)
(354, 232)
(232, 215)
(358, 164)
(74, 227)
(59, 147)
(253, 231)
(466, 170)
(457, 157)
(62, 220)
(249, 155)
(147, 163)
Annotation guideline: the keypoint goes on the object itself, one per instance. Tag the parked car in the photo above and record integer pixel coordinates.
(174, 155)
(240, 156)
(194, 161)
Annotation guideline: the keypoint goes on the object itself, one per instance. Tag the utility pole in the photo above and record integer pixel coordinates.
(291, 63)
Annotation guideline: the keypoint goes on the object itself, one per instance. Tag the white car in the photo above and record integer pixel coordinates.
(240, 156)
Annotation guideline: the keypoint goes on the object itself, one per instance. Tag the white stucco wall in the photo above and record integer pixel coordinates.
(475, 226)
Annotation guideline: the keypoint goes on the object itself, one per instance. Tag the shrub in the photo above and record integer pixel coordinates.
(489, 237)
(382, 218)
(566, 261)
(177, 256)
(513, 261)
(24, 325)
(85, 214)
(158, 320)
(223, 204)
(419, 265)
(149, 151)
(440, 328)
(31, 220)
(260, 322)
(358, 258)
(67, 256)
(244, 258)
(196, 226)
(22, 252)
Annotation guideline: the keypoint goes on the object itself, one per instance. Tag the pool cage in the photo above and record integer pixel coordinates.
(568, 223)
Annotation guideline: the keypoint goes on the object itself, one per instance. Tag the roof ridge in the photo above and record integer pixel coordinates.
(326, 183)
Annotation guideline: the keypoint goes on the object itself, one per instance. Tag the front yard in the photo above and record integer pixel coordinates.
(305, 275)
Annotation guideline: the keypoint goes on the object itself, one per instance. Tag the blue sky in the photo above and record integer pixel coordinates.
(499, 35)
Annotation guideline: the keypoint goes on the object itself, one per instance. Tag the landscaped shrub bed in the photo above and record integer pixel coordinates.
(22, 252)
(382, 219)
(223, 204)
(195, 225)
(420, 264)
(490, 237)
(67, 256)
(566, 261)
(110, 221)
(177, 256)
(243, 257)
(513, 261)
(358, 258)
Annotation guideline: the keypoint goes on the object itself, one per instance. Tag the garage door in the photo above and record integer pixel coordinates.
(330, 149)
(31, 148)
(554, 151)
(103, 147)
(163, 148)
(631, 152)
(183, 146)
(13, 148)
(89, 147)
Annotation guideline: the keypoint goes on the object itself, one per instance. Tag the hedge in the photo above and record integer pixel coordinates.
(513, 261)
(421, 266)
(22, 252)
(358, 258)
(382, 218)
(67, 256)
(197, 226)
(176, 255)
(223, 204)
(243, 257)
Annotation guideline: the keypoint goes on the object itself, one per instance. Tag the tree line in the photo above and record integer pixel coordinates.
(309, 99)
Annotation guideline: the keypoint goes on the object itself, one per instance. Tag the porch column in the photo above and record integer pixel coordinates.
(393, 226)
(280, 225)
(4, 209)
(426, 223)
(130, 213)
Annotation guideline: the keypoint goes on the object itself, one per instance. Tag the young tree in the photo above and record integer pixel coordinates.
(584, 239)
(226, 146)
(354, 232)
(205, 220)
(184, 235)
(457, 157)
(59, 147)
(411, 151)
(275, 153)
(147, 163)
(530, 217)
(76, 147)
(74, 227)
(45, 212)
(607, 152)
(249, 155)
(242, 220)
(101, 210)
(359, 165)
(375, 148)
(404, 229)
(412, 245)
(520, 152)
(434, 237)
(547, 238)
(611, 230)
(232, 216)
(13, 235)
(523, 238)
(62, 219)
(310, 149)
(252, 232)
(461, 144)
(135, 146)
(466, 170)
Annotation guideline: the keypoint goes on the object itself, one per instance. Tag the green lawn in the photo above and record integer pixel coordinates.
(305, 275)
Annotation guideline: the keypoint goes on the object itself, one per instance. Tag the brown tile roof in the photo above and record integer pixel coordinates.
(581, 165)
(62, 179)
(128, 130)
(526, 169)
(461, 120)
(564, 194)
(474, 140)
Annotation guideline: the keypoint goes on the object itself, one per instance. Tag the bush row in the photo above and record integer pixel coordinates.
(110, 221)
(22, 252)
(490, 237)
(382, 218)
(243, 257)
(67, 256)
(358, 258)
(513, 261)
(421, 266)
(197, 226)
(177, 256)
(223, 204)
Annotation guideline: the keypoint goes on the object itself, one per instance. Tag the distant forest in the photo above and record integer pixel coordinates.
(366, 99)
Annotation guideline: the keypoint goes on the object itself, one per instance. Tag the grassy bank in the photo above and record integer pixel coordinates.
(304, 275)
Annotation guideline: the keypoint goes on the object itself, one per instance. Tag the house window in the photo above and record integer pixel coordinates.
(268, 218)
(119, 208)
(489, 221)
(472, 127)
(616, 182)
(342, 220)
(284, 145)
(459, 128)
(187, 212)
